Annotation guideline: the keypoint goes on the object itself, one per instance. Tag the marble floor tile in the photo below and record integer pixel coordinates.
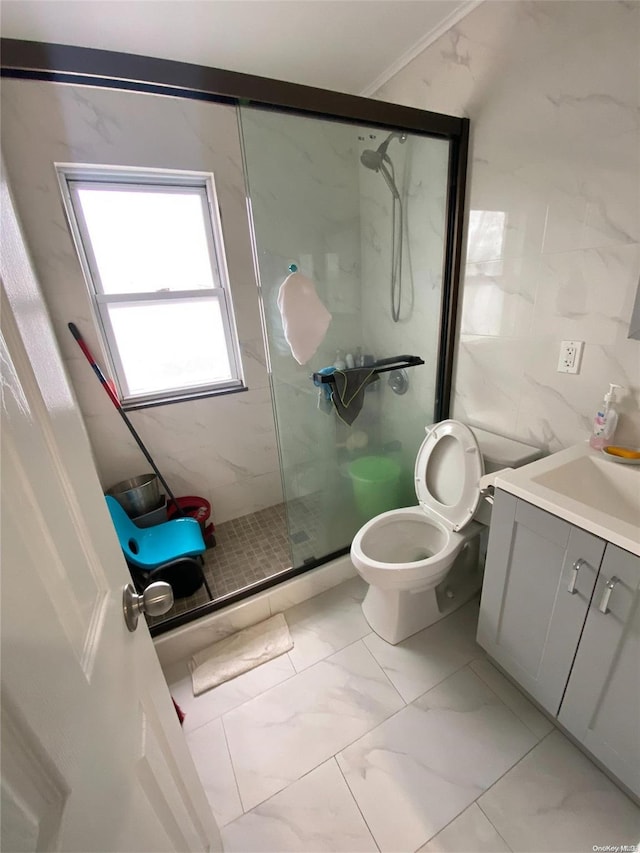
(316, 813)
(200, 710)
(513, 698)
(279, 736)
(470, 832)
(327, 623)
(557, 800)
(419, 769)
(208, 747)
(423, 660)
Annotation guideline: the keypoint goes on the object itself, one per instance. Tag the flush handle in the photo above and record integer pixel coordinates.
(603, 607)
(488, 494)
(156, 600)
(573, 579)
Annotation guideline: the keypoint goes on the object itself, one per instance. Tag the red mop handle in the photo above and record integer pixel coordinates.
(116, 402)
(96, 369)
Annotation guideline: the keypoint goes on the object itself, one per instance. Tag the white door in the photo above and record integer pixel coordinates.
(93, 757)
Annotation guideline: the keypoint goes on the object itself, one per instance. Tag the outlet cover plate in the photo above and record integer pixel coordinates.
(570, 356)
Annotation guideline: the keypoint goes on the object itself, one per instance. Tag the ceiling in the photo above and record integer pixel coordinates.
(350, 46)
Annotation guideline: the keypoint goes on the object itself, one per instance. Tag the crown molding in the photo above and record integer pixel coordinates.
(428, 39)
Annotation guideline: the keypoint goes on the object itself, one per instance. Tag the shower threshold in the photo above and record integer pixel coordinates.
(252, 554)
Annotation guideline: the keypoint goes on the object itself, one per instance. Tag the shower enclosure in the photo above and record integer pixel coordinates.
(363, 214)
(362, 198)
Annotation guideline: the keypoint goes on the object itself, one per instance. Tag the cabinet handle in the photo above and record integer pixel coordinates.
(575, 568)
(603, 607)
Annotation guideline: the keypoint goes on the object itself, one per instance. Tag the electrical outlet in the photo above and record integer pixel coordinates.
(570, 356)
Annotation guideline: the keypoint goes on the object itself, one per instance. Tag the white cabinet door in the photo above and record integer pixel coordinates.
(93, 757)
(533, 603)
(602, 704)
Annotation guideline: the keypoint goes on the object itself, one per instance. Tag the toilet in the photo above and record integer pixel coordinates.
(422, 562)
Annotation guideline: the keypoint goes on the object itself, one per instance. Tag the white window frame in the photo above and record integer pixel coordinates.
(71, 178)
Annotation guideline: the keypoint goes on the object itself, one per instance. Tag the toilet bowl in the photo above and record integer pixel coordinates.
(421, 562)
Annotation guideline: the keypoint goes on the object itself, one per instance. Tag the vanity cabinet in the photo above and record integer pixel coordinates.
(601, 707)
(539, 578)
(560, 613)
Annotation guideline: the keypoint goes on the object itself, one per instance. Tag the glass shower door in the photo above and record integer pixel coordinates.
(362, 215)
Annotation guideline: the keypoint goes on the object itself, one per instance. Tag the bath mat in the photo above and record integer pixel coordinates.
(239, 653)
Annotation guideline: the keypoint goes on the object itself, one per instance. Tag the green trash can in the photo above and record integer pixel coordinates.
(376, 481)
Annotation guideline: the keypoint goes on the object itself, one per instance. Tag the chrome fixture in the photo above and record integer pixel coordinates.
(379, 161)
(575, 568)
(603, 607)
(399, 381)
(156, 600)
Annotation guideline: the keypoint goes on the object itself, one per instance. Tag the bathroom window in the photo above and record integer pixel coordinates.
(151, 247)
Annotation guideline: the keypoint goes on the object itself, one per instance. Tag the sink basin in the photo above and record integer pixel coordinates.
(583, 487)
(598, 483)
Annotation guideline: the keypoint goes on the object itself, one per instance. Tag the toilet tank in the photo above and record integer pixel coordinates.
(500, 452)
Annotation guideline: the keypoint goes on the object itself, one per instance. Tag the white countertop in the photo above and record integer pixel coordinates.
(585, 488)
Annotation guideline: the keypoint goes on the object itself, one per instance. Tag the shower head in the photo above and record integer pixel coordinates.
(371, 159)
(375, 159)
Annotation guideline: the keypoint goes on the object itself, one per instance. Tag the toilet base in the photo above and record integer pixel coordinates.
(394, 616)
(397, 614)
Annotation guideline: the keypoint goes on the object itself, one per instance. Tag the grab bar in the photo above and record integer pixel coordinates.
(383, 365)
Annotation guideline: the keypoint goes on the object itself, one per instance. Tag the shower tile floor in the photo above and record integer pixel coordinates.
(347, 743)
(254, 547)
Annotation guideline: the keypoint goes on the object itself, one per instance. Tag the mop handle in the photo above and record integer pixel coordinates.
(116, 402)
(96, 369)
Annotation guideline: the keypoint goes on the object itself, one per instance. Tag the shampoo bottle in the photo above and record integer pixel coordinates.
(605, 421)
(340, 362)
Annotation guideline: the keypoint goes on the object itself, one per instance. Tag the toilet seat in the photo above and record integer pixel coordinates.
(448, 469)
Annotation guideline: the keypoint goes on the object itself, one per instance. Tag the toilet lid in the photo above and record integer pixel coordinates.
(447, 474)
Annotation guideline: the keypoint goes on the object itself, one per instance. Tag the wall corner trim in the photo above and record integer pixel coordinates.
(422, 44)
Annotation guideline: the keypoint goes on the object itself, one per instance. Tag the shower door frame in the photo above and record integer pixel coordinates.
(56, 63)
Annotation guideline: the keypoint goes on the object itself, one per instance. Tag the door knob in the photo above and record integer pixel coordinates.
(154, 601)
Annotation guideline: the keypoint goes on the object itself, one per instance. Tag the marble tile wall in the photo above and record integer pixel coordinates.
(553, 252)
(222, 448)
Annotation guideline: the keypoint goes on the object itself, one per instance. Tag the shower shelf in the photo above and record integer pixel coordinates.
(383, 365)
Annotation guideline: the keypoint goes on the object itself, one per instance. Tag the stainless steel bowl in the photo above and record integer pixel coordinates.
(137, 495)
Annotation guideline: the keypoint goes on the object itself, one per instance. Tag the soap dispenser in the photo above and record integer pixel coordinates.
(605, 421)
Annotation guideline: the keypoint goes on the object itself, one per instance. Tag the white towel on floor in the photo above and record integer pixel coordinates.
(304, 318)
(239, 653)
